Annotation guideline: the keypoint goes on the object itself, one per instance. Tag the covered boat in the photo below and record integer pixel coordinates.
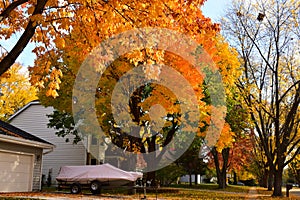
(94, 177)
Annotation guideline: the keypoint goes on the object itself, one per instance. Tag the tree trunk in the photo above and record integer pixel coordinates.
(222, 180)
(270, 180)
(196, 179)
(225, 156)
(278, 183)
(264, 179)
(217, 164)
(221, 173)
(190, 179)
(151, 161)
(234, 178)
(151, 178)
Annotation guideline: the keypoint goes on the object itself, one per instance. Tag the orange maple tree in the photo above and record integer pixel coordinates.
(65, 32)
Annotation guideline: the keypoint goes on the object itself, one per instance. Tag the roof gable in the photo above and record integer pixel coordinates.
(35, 102)
(8, 129)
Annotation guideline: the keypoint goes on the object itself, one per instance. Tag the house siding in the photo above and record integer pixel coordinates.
(34, 120)
(37, 152)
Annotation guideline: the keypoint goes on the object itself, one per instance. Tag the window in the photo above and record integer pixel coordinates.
(94, 140)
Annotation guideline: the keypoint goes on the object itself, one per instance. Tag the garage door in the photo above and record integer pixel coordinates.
(15, 172)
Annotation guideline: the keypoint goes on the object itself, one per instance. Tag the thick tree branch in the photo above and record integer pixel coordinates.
(288, 90)
(11, 57)
(293, 157)
(5, 13)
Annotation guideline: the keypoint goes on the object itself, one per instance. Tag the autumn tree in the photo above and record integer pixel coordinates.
(83, 26)
(15, 91)
(241, 155)
(266, 35)
(236, 152)
(236, 120)
(232, 159)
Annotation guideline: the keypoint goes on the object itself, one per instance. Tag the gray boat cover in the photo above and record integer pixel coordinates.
(104, 172)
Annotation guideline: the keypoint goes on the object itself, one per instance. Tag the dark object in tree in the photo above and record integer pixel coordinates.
(239, 14)
(260, 17)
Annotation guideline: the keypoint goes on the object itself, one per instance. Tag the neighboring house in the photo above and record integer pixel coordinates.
(21, 156)
(33, 118)
(186, 178)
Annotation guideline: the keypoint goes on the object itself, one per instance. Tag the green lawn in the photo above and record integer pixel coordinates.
(229, 188)
(194, 194)
(202, 191)
(211, 191)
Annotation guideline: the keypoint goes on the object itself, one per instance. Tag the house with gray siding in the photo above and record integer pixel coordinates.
(33, 118)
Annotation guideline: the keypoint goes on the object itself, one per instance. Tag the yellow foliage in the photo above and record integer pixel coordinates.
(226, 138)
(15, 90)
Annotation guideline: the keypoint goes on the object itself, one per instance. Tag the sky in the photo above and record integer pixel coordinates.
(213, 9)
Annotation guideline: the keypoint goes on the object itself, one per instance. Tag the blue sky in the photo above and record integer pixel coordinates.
(212, 8)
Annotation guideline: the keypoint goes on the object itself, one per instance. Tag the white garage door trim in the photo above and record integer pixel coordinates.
(29, 166)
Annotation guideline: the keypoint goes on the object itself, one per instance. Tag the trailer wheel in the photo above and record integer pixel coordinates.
(95, 187)
(75, 188)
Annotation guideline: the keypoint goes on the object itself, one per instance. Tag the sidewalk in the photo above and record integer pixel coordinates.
(294, 192)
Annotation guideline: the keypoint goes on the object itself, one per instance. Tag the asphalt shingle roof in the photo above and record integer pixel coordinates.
(8, 129)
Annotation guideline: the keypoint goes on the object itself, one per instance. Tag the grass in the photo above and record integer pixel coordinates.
(202, 191)
(200, 194)
(229, 188)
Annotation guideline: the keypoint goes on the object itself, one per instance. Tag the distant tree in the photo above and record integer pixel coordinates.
(259, 165)
(15, 91)
(190, 161)
(235, 119)
(294, 168)
(234, 158)
(241, 155)
(169, 174)
(237, 141)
